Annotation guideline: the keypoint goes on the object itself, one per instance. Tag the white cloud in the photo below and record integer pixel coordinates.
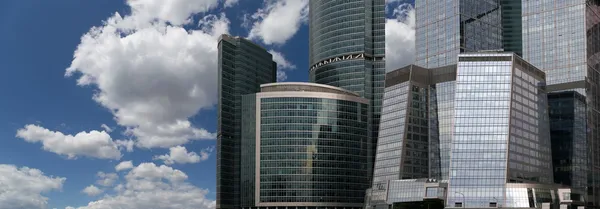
(400, 38)
(281, 76)
(106, 179)
(282, 65)
(230, 3)
(149, 171)
(205, 153)
(22, 188)
(281, 61)
(153, 75)
(92, 190)
(278, 20)
(125, 165)
(126, 144)
(93, 144)
(246, 21)
(176, 12)
(151, 186)
(180, 155)
(106, 128)
(392, 2)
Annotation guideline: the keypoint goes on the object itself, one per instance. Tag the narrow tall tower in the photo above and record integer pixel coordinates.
(347, 50)
(243, 67)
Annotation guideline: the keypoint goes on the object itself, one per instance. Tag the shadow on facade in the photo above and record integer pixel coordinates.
(427, 204)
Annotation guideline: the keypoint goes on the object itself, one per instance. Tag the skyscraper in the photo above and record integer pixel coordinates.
(501, 136)
(499, 151)
(512, 35)
(403, 148)
(304, 147)
(563, 39)
(347, 50)
(560, 38)
(569, 142)
(446, 28)
(243, 67)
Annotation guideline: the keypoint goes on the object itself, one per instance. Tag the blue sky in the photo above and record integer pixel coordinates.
(148, 74)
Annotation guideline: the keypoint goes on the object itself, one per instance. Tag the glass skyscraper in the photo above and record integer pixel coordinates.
(446, 28)
(304, 147)
(569, 141)
(243, 66)
(512, 163)
(441, 112)
(563, 39)
(512, 35)
(490, 116)
(347, 50)
(404, 148)
(501, 130)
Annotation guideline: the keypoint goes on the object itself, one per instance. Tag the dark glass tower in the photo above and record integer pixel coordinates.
(512, 35)
(243, 67)
(568, 134)
(347, 50)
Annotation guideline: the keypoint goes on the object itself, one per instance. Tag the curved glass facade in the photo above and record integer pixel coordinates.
(347, 49)
(311, 148)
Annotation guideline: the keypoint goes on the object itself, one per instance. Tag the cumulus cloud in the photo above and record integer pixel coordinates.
(106, 128)
(92, 190)
(180, 155)
(278, 20)
(283, 65)
(176, 12)
(281, 61)
(205, 153)
(22, 188)
(152, 73)
(106, 179)
(149, 171)
(400, 38)
(125, 165)
(389, 3)
(125, 144)
(246, 20)
(152, 186)
(230, 3)
(93, 144)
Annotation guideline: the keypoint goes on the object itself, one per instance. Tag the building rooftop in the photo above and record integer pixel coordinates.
(502, 56)
(230, 38)
(422, 75)
(304, 86)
